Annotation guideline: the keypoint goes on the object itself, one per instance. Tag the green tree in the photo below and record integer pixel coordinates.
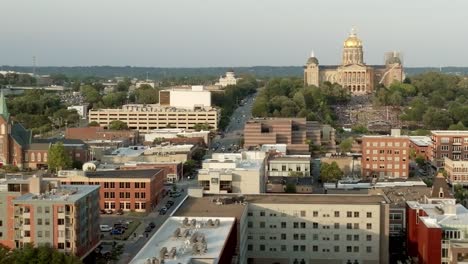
(146, 94)
(295, 174)
(189, 167)
(461, 194)
(435, 118)
(118, 125)
(114, 99)
(420, 160)
(200, 127)
(90, 94)
(330, 172)
(346, 145)
(360, 129)
(10, 168)
(93, 124)
(457, 126)
(58, 157)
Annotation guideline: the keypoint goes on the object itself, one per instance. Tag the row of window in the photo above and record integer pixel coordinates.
(313, 248)
(387, 144)
(336, 237)
(137, 205)
(382, 158)
(125, 195)
(315, 225)
(126, 185)
(303, 213)
(389, 166)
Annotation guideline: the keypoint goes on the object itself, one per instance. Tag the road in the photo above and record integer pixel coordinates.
(235, 129)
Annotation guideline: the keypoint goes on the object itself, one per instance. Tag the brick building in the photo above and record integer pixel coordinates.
(421, 146)
(19, 148)
(452, 144)
(99, 133)
(43, 212)
(129, 190)
(294, 132)
(172, 171)
(385, 156)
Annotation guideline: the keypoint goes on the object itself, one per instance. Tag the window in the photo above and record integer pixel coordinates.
(137, 195)
(142, 184)
(283, 224)
(121, 195)
(296, 225)
(349, 226)
(337, 214)
(137, 205)
(262, 213)
(369, 214)
(61, 245)
(336, 237)
(121, 185)
(39, 210)
(315, 213)
(395, 216)
(314, 236)
(39, 233)
(262, 224)
(295, 248)
(337, 225)
(39, 221)
(336, 248)
(349, 237)
(356, 214)
(47, 234)
(262, 237)
(369, 226)
(349, 214)
(303, 248)
(249, 224)
(356, 225)
(356, 249)
(369, 249)
(283, 248)
(303, 236)
(296, 236)
(143, 205)
(349, 249)
(249, 247)
(60, 221)
(248, 214)
(283, 236)
(47, 209)
(369, 237)
(127, 195)
(47, 221)
(315, 248)
(262, 247)
(303, 225)
(356, 237)
(137, 185)
(314, 225)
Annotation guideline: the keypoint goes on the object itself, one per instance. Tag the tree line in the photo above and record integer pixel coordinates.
(287, 97)
(431, 100)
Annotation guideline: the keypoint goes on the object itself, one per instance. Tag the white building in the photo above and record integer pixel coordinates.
(228, 79)
(195, 97)
(286, 166)
(147, 82)
(234, 173)
(176, 132)
(82, 110)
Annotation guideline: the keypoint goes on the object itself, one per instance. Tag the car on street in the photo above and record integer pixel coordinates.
(152, 225)
(148, 229)
(117, 231)
(170, 202)
(105, 228)
(121, 226)
(163, 211)
(175, 194)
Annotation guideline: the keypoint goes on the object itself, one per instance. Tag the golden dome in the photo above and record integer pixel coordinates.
(352, 42)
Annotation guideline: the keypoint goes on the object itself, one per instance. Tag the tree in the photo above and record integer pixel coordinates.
(457, 126)
(420, 160)
(114, 99)
(58, 157)
(10, 168)
(330, 172)
(346, 145)
(200, 127)
(146, 94)
(39, 255)
(435, 118)
(93, 124)
(461, 194)
(189, 167)
(360, 129)
(90, 94)
(118, 125)
(290, 188)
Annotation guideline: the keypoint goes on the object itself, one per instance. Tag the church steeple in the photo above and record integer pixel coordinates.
(3, 106)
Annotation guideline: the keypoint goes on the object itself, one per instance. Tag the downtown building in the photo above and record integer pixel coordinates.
(311, 228)
(452, 144)
(296, 133)
(385, 156)
(44, 212)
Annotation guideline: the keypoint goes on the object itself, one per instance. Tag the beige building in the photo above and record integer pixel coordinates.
(457, 171)
(353, 73)
(309, 229)
(145, 118)
(234, 173)
(289, 166)
(228, 79)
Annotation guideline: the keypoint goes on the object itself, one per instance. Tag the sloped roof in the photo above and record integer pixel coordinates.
(21, 135)
(440, 185)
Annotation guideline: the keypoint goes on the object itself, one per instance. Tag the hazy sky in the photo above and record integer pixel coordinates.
(203, 33)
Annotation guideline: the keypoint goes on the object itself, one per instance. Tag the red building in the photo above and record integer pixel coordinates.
(385, 156)
(129, 190)
(422, 146)
(452, 144)
(172, 171)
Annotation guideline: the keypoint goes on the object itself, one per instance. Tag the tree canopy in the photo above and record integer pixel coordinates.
(38, 255)
(118, 125)
(58, 157)
(330, 172)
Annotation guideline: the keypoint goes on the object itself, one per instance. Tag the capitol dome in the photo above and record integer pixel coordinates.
(352, 41)
(312, 60)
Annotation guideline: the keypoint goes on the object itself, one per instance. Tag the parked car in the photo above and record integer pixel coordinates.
(105, 228)
(152, 225)
(119, 212)
(103, 211)
(117, 231)
(174, 194)
(121, 226)
(148, 229)
(109, 211)
(170, 202)
(168, 206)
(163, 211)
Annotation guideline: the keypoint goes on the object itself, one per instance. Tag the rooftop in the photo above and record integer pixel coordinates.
(421, 141)
(399, 195)
(207, 206)
(65, 193)
(154, 108)
(180, 243)
(442, 214)
(149, 173)
(450, 132)
(290, 158)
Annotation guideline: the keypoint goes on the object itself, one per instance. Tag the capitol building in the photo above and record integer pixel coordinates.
(353, 73)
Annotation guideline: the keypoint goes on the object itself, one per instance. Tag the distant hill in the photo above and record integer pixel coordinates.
(162, 73)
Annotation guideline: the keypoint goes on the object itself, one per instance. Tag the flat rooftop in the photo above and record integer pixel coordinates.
(450, 132)
(291, 159)
(148, 173)
(151, 108)
(215, 238)
(421, 141)
(315, 199)
(65, 193)
(207, 207)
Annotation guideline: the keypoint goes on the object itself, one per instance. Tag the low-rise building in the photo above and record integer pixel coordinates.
(170, 133)
(173, 171)
(385, 156)
(289, 184)
(421, 145)
(289, 166)
(452, 144)
(99, 133)
(234, 173)
(158, 153)
(191, 98)
(128, 190)
(457, 171)
(47, 213)
(350, 165)
(82, 110)
(146, 118)
(228, 79)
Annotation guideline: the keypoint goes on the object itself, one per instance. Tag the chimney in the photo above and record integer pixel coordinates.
(395, 132)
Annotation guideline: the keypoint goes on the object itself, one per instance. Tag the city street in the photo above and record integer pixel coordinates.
(235, 129)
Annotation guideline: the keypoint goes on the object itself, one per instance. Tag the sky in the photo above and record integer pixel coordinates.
(211, 33)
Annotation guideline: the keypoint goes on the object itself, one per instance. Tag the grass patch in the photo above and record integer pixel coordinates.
(138, 214)
(131, 228)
